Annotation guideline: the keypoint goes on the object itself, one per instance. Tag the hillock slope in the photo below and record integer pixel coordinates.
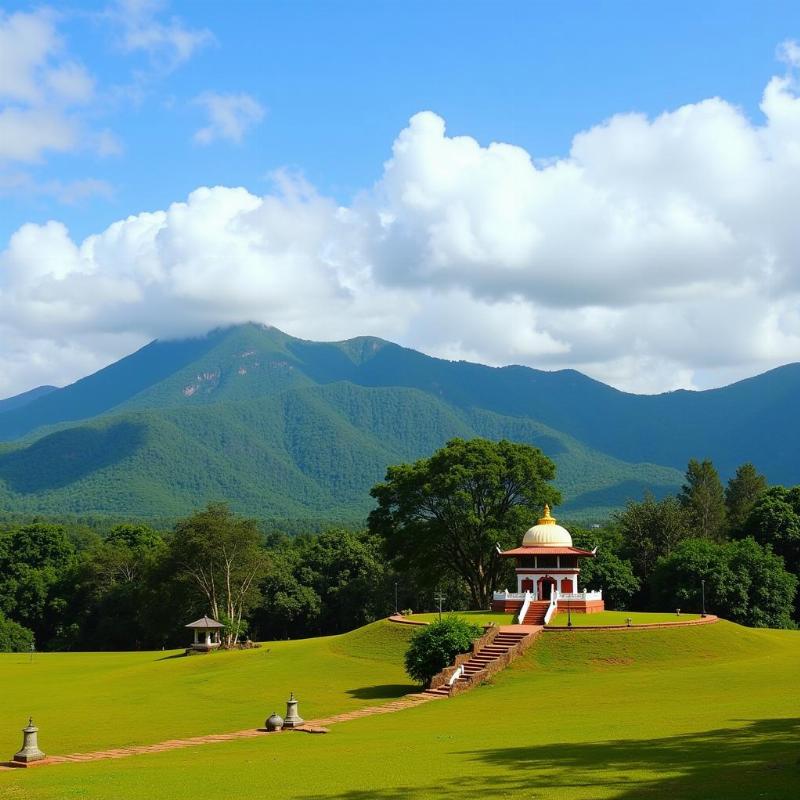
(664, 714)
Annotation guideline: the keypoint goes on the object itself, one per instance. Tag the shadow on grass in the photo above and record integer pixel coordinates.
(383, 690)
(761, 759)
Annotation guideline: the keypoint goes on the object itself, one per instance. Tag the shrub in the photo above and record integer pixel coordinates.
(435, 646)
(14, 638)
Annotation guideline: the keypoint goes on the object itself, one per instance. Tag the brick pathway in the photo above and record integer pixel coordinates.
(310, 726)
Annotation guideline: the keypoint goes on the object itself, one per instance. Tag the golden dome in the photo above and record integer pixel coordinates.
(546, 533)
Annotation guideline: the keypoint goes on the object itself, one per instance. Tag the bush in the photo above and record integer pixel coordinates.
(435, 646)
(14, 638)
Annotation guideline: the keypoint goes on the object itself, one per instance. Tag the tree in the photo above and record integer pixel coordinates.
(606, 571)
(348, 577)
(775, 520)
(222, 557)
(32, 560)
(744, 582)
(115, 588)
(436, 645)
(14, 638)
(704, 500)
(677, 579)
(444, 514)
(741, 493)
(651, 529)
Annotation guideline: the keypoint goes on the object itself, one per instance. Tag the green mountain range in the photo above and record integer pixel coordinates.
(282, 427)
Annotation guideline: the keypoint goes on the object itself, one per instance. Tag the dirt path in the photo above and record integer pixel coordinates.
(310, 726)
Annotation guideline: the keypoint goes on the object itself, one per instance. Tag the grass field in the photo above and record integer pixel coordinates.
(85, 700)
(619, 618)
(478, 617)
(708, 712)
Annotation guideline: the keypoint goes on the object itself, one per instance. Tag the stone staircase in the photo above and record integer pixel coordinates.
(536, 612)
(490, 658)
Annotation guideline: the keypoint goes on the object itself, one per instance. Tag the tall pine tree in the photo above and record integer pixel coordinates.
(704, 500)
(741, 493)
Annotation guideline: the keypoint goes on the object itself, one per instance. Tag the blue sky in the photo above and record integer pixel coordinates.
(674, 121)
(339, 80)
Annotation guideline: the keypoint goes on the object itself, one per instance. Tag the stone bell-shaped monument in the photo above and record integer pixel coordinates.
(293, 719)
(30, 746)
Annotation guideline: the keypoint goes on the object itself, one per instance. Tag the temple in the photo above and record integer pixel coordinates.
(547, 576)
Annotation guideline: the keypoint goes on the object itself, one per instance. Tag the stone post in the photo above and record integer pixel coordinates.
(30, 745)
(293, 719)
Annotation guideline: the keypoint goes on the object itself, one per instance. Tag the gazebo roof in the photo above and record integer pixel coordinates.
(205, 623)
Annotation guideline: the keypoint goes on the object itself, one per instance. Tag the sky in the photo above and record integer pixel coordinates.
(611, 187)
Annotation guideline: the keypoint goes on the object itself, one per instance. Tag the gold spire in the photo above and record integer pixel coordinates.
(547, 519)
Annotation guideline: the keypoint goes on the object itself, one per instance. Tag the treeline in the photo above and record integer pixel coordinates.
(135, 587)
(740, 543)
(131, 585)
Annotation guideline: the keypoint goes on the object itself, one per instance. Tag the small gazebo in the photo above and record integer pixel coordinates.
(206, 634)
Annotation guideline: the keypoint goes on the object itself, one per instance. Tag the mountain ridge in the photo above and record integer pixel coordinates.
(285, 427)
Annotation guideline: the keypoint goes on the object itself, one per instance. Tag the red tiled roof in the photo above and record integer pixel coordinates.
(547, 551)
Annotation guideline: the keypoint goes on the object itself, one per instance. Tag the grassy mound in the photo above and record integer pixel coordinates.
(478, 617)
(89, 701)
(698, 712)
(620, 618)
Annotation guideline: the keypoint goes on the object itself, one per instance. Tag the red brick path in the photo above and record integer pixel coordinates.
(310, 726)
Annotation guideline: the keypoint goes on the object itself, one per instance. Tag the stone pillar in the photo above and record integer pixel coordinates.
(293, 719)
(30, 745)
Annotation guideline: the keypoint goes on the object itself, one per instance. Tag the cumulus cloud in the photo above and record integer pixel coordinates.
(658, 253)
(230, 116)
(41, 89)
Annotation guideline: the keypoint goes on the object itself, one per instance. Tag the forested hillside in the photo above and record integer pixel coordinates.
(283, 427)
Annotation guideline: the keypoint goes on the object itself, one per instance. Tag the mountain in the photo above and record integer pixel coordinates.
(283, 427)
(23, 399)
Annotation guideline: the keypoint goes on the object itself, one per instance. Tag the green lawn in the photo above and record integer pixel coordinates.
(478, 617)
(87, 701)
(707, 712)
(619, 618)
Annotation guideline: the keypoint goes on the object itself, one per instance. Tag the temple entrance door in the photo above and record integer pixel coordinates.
(546, 586)
(527, 585)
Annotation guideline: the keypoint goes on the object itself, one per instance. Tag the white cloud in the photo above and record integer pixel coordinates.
(230, 116)
(27, 133)
(41, 87)
(658, 253)
(67, 192)
(168, 43)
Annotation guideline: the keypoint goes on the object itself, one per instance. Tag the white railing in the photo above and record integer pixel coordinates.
(581, 595)
(524, 610)
(551, 609)
(506, 595)
(456, 675)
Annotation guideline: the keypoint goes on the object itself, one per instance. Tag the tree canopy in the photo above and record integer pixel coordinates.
(741, 493)
(703, 498)
(445, 514)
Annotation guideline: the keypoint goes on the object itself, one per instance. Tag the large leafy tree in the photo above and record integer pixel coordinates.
(606, 571)
(117, 592)
(703, 498)
(651, 529)
(221, 556)
(741, 494)
(349, 576)
(744, 582)
(775, 520)
(444, 514)
(32, 560)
